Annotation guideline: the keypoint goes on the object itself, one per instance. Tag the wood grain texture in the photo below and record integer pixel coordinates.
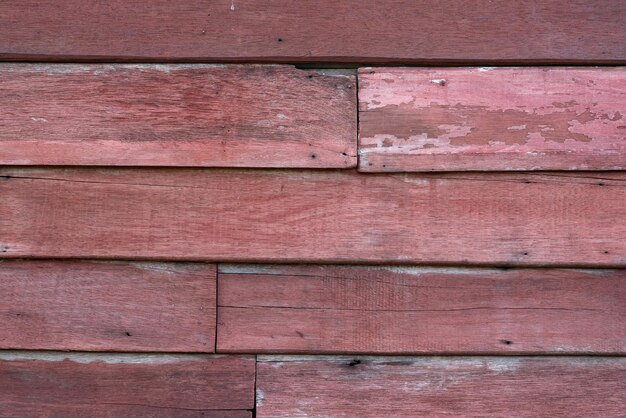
(481, 119)
(435, 387)
(113, 385)
(107, 306)
(322, 216)
(176, 115)
(327, 309)
(116, 411)
(352, 31)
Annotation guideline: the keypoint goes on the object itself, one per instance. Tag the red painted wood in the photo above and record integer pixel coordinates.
(107, 306)
(351, 31)
(121, 385)
(176, 115)
(441, 119)
(326, 309)
(322, 216)
(447, 386)
(113, 411)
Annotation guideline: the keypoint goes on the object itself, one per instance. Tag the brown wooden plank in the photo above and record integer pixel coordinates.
(322, 216)
(176, 115)
(107, 306)
(452, 119)
(391, 310)
(447, 386)
(350, 31)
(109, 385)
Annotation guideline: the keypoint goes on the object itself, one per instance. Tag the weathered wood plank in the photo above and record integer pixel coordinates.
(176, 115)
(114, 411)
(350, 31)
(451, 119)
(107, 306)
(391, 310)
(434, 387)
(108, 385)
(322, 216)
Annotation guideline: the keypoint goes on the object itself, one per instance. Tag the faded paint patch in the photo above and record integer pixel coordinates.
(418, 271)
(247, 268)
(335, 72)
(99, 69)
(321, 270)
(497, 363)
(577, 349)
(117, 358)
(503, 365)
(265, 123)
(164, 267)
(455, 129)
(530, 112)
(409, 179)
(415, 386)
(260, 397)
(530, 88)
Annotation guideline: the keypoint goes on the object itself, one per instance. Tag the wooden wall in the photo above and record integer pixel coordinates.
(331, 209)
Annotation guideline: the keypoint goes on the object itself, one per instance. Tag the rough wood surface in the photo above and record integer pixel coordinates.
(113, 385)
(327, 309)
(107, 306)
(451, 119)
(176, 115)
(116, 411)
(434, 387)
(350, 31)
(322, 216)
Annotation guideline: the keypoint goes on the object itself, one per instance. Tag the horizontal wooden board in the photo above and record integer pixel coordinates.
(452, 119)
(107, 306)
(176, 115)
(322, 216)
(434, 387)
(350, 31)
(396, 310)
(114, 411)
(110, 385)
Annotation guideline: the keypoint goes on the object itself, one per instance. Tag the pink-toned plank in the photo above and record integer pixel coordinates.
(435, 387)
(116, 411)
(107, 306)
(447, 119)
(176, 115)
(575, 219)
(108, 385)
(347, 31)
(391, 310)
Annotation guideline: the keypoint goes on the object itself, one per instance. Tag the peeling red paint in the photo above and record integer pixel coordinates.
(520, 114)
